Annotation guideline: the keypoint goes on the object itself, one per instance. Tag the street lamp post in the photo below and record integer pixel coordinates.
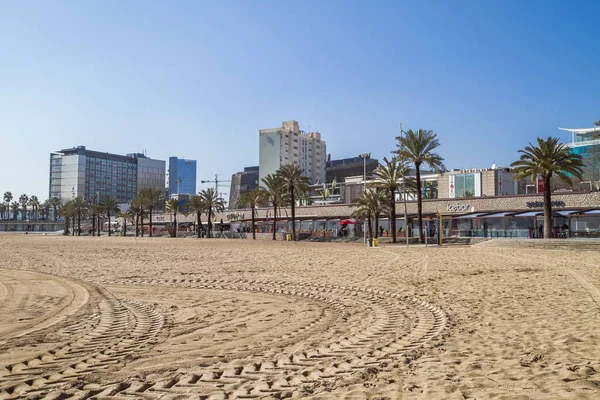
(364, 156)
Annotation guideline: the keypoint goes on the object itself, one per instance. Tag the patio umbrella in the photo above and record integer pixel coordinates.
(346, 222)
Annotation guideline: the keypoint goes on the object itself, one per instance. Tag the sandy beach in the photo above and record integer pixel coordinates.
(158, 318)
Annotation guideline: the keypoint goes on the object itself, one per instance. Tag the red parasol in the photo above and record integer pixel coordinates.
(347, 221)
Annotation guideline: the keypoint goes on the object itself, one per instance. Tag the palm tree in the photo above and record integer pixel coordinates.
(45, 209)
(80, 206)
(110, 205)
(34, 202)
(389, 177)
(152, 198)
(135, 205)
(3, 212)
(14, 206)
(252, 199)
(55, 204)
(417, 148)
(548, 158)
(173, 205)
(380, 205)
(7, 199)
(196, 204)
(68, 211)
(213, 204)
(95, 210)
(24, 200)
(295, 184)
(364, 209)
(274, 192)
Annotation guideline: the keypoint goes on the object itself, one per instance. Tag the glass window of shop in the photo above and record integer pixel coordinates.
(464, 185)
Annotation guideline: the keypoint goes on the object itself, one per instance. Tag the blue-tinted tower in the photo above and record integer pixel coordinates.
(182, 176)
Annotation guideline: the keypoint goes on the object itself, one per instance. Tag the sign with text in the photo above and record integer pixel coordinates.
(459, 208)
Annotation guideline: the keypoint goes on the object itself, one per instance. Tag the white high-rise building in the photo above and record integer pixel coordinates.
(290, 145)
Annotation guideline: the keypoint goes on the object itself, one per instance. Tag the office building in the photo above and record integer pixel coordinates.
(242, 183)
(582, 142)
(288, 145)
(347, 167)
(182, 176)
(80, 172)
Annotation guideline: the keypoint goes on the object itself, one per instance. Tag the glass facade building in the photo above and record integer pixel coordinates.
(182, 176)
(79, 172)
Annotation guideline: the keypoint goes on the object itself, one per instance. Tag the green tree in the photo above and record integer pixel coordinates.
(8, 197)
(295, 184)
(173, 205)
(417, 147)
(110, 206)
(274, 192)
(24, 200)
(213, 205)
(197, 205)
(151, 198)
(547, 159)
(253, 200)
(389, 177)
(3, 212)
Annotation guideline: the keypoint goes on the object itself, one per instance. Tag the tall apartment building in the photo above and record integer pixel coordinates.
(80, 172)
(242, 183)
(182, 176)
(290, 145)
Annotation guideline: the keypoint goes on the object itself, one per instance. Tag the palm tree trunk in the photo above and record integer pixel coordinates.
(99, 225)
(142, 221)
(73, 226)
(137, 224)
(274, 221)
(124, 226)
(253, 223)
(293, 214)
(175, 224)
(108, 216)
(547, 209)
(419, 200)
(200, 224)
(377, 225)
(93, 224)
(67, 226)
(370, 226)
(393, 212)
(151, 207)
(78, 222)
(209, 234)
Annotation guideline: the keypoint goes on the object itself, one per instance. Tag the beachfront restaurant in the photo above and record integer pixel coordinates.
(501, 224)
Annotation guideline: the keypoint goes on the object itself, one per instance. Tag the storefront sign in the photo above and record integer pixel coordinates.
(540, 204)
(235, 216)
(459, 207)
(451, 186)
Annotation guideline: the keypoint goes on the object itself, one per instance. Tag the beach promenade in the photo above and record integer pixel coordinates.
(156, 318)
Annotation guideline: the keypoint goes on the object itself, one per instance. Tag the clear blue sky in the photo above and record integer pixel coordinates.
(199, 79)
